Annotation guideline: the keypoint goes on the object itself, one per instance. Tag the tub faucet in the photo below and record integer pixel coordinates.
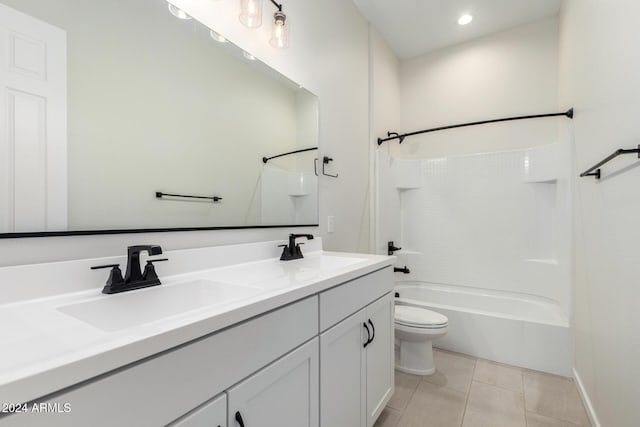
(292, 250)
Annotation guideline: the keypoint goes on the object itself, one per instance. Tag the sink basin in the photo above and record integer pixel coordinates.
(130, 309)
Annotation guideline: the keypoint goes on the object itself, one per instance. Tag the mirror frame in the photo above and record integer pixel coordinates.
(36, 234)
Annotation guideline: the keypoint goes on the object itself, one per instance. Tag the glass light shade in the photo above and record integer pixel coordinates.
(251, 13)
(177, 12)
(280, 32)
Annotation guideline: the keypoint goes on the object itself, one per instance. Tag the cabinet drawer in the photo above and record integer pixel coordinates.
(342, 301)
(160, 390)
(211, 414)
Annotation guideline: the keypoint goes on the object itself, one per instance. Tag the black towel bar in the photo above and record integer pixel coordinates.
(618, 152)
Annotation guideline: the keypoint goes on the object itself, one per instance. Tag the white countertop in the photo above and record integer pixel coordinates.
(44, 349)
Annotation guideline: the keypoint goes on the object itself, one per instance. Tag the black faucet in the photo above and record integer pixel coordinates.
(404, 270)
(134, 277)
(292, 251)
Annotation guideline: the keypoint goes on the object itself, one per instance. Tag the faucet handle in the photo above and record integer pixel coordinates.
(115, 275)
(150, 271)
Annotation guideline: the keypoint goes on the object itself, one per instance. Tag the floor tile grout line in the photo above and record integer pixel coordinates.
(466, 400)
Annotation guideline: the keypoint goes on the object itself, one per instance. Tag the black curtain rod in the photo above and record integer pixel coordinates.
(266, 159)
(400, 138)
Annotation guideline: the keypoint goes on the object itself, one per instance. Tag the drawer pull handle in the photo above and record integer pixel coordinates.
(373, 329)
(368, 335)
(239, 419)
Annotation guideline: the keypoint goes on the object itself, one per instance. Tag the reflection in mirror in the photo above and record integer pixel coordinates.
(108, 103)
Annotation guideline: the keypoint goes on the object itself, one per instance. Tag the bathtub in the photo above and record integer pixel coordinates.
(517, 329)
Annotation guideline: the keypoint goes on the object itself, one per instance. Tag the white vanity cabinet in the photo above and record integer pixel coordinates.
(356, 354)
(323, 360)
(211, 414)
(284, 394)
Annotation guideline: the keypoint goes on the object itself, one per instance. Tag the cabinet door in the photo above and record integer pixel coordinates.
(211, 414)
(284, 394)
(342, 364)
(379, 354)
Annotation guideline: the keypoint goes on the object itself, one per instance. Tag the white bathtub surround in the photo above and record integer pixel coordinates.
(288, 197)
(488, 232)
(58, 338)
(520, 330)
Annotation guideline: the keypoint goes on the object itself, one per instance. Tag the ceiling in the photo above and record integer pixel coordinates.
(415, 27)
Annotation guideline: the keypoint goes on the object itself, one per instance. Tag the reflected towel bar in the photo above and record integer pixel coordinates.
(613, 155)
(400, 138)
(160, 195)
(266, 159)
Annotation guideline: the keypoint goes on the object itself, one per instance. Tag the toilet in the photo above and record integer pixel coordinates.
(415, 329)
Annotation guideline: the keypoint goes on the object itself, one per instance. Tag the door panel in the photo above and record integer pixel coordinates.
(33, 124)
(342, 364)
(284, 394)
(380, 360)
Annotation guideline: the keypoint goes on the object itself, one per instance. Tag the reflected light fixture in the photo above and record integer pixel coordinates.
(251, 13)
(217, 37)
(177, 12)
(280, 32)
(465, 19)
(248, 55)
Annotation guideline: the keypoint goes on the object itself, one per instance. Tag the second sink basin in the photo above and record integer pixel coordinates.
(130, 309)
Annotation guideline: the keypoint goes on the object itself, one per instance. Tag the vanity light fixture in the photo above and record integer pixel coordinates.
(280, 32)
(217, 37)
(465, 19)
(177, 12)
(251, 13)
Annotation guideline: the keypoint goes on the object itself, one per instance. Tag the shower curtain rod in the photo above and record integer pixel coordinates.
(400, 138)
(266, 159)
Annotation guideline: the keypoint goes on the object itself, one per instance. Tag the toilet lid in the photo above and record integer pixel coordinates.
(416, 316)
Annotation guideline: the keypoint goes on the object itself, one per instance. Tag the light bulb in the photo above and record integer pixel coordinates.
(280, 32)
(465, 19)
(251, 13)
(217, 37)
(177, 12)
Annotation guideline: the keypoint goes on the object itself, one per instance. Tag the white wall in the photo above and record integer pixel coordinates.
(329, 56)
(600, 77)
(506, 74)
(385, 114)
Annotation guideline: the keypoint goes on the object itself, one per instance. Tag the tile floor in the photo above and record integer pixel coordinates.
(470, 392)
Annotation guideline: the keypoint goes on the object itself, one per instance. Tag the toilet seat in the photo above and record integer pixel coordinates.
(417, 317)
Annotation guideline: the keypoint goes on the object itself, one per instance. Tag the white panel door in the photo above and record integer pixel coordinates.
(380, 358)
(342, 363)
(284, 394)
(33, 124)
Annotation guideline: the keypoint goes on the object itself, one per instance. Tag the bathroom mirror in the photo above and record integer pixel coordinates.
(117, 109)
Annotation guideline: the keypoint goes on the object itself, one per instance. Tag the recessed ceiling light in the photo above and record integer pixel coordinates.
(217, 37)
(178, 13)
(465, 19)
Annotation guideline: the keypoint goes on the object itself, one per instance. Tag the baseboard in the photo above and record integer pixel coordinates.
(591, 413)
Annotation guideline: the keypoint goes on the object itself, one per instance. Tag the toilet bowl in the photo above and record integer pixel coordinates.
(415, 330)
